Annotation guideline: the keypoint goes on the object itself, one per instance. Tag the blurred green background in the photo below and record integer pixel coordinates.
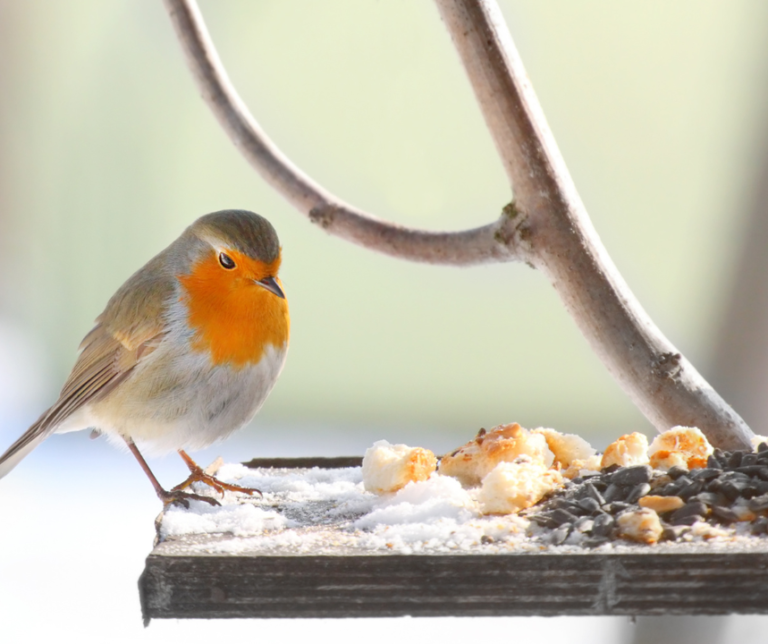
(107, 153)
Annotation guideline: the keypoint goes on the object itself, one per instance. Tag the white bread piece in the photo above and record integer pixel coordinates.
(578, 467)
(641, 525)
(473, 461)
(389, 468)
(515, 486)
(682, 446)
(572, 453)
(629, 449)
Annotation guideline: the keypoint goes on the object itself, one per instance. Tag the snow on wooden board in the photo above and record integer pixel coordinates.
(318, 545)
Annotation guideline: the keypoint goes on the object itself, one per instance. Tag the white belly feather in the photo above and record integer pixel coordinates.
(176, 400)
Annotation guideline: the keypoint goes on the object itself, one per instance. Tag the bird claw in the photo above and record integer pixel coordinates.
(198, 476)
(178, 497)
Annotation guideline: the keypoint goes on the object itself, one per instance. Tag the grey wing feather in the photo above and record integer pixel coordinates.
(104, 363)
(128, 330)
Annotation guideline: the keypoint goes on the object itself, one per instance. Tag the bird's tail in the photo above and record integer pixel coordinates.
(24, 445)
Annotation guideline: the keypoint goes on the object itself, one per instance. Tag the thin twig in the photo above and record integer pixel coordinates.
(546, 225)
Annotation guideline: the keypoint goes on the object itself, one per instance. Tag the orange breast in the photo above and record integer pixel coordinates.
(234, 318)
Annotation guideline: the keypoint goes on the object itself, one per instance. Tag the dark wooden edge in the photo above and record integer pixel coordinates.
(453, 585)
(329, 462)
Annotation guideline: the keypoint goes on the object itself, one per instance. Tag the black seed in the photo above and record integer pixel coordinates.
(689, 520)
(567, 505)
(714, 463)
(762, 473)
(599, 484)
(714, 485)
(762, 447)
(693, 511)
(610, 469)
(751, 490)
(593, 492)
(589, 504)
(602, 525)
(750, 470)
(732, 489)
(720, 455)
(709, 498)
(616, 507)
(668, 490)
(762, 487)
(734, 460)
(758, 503)
(674, 488)
(761, 525)
(749, 459)
(630, 476)
(560, 534)
(543, 520)
(675, 472)
(560, 516)
(690, 490)
(485, 539)
(705, 474)
(640, 490)
(674, 532)
(584, 524)
(613, 493)
(726, 515)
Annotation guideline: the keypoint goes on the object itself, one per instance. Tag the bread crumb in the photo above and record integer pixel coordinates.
(629, 449)
(592, 465)
(661, 504)
(388, 468)
(641, 525)
(566, 448)
(472, 462)
(511, 487)
(681, 446)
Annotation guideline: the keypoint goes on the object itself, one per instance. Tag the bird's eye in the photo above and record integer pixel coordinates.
(226, 261)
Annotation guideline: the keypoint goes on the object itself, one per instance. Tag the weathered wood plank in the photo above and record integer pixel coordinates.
(460, 585)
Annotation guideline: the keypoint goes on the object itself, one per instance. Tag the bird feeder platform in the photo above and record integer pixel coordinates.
(221, 575)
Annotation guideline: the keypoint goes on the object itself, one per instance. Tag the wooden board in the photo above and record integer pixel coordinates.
(182, 580)
(460, 585)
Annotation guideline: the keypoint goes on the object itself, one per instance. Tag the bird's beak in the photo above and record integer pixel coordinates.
(270, 283)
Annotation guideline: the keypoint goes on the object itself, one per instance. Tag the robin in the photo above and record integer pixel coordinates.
(185, 352)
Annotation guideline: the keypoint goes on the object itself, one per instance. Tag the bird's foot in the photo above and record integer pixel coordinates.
(199, 475)
(179, 497)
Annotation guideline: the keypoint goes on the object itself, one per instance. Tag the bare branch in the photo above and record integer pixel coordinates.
(493, 242)
(546, 225)
(565, 246)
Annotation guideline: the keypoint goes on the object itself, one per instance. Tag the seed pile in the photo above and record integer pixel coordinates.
(642, 504)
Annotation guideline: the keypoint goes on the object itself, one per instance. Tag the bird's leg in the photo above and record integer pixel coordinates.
(198, 474)
(174, 496)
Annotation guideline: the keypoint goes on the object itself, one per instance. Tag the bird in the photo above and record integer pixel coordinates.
(185, 352)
